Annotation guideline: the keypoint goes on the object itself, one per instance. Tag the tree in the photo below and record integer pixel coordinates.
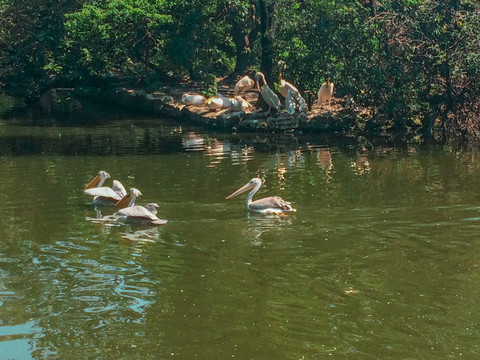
(119, 36)
(31, 34)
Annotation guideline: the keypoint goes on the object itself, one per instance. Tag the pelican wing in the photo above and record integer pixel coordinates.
(272, 202)
(104, 192)
(140, 213)
(270, 97)
(325, 92)
(119, 188)
(285, 86)
(243, 85)
(137, 211)
(289, 103)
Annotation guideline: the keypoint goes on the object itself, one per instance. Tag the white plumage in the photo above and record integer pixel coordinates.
(326, 92)
(238, 103)
(292, 97)
(98, 180)
(104, 195)
(107, 196)
(129, 199)
(218, 102)
(243, 85)
(145, 213)
(270, 98)
(268, 205)
(197, 100)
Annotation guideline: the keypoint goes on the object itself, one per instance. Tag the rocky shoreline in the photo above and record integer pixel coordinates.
(343, 117)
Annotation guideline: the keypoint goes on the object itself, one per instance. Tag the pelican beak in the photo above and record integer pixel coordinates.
(123, 202)
(92, 183)
(243, 189)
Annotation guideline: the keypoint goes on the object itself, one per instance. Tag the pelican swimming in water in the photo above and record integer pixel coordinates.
(103, 195)
(98, 180)
(268, 205)
(129, 199)
(145, 214)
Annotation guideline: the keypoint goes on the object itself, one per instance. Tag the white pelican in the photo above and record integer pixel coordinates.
(238, 103)
(326, 92)
(145, 214)
(98, 180)
(268, 205)
(243, 85)
(292, 96)
(129, 199)
(107, 196)
(218, 102)
(188, 99)
(267, 94)
(103, 195)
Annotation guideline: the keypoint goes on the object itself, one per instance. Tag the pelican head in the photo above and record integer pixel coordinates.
(260, 80)
(129, 199)
(135, 192)
(152, 207)
(103, 174)
(255, 183)
(98, 180)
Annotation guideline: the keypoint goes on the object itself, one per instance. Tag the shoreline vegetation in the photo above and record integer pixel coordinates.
(399, 67)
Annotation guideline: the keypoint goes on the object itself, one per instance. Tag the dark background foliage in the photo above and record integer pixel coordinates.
(407, 60)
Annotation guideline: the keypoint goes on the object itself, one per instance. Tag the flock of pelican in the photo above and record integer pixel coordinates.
(293, 100)
(118, 198)
(126, 209)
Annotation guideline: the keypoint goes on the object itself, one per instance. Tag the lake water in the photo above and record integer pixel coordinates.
(381, 260)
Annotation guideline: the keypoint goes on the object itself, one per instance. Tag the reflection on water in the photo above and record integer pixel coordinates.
(380, 260)
(260, 226)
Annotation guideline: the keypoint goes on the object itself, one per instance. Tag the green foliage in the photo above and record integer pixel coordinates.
(200, 38)
(31, 34)
(405, 59)
(117, 36)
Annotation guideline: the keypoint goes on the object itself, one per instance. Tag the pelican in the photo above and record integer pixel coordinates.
(326, 92)
(268, 205)
(145, 213)
(238, 103)
(188, 99)
(107, 196)
(267, 94)
(98, 180)
(218, 102)
(292, 96)
(103, 195)
(243, 85)
(129, 199)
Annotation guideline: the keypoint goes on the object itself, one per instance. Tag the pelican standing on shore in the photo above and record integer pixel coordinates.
(243, 85)
(267, 94)
(268, 205)
(145, 214)
(292, 97)
(326, 92)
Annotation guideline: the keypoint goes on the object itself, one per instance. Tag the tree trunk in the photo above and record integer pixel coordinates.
(243, 39)
(266, 39)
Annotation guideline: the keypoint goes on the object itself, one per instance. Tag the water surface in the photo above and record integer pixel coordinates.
(380, 261)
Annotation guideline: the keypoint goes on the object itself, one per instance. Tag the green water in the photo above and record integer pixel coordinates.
(381, 260)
